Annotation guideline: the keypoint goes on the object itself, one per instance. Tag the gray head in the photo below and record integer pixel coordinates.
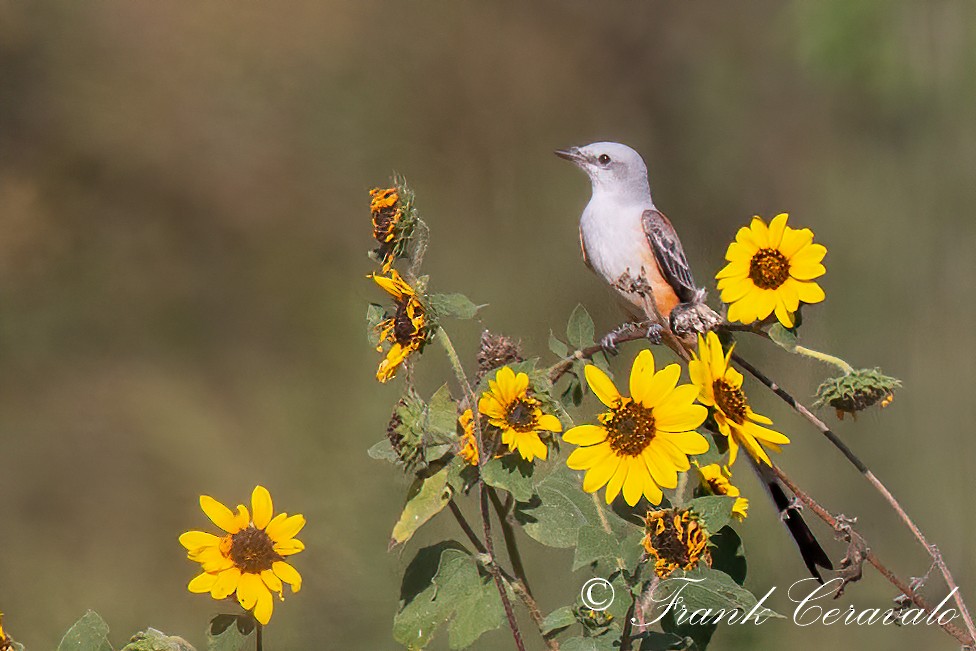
(612, 168)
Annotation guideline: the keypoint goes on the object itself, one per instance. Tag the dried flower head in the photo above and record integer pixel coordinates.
(497, 351)
(6, 644)
(676, 540)
(393, 222)
(857, 391)
(407, 330)
(469, 444)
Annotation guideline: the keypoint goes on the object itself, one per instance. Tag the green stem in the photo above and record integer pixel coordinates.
(825, 358)
(508, 533)
(259, 638)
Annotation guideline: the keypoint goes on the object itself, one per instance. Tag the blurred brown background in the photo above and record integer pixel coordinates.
(183, 220)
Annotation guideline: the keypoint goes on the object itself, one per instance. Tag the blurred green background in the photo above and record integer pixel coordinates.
(183, 226)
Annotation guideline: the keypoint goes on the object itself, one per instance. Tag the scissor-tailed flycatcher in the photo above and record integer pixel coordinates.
(635, 249)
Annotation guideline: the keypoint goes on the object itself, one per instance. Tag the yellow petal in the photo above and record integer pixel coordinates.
(549, 423)
(734, 289)
(289, 547)
(585, 435)
(807, 271)
(599, 474)
(271, 580)
(795, 239)
(808, 255)
(760, 232)
(776, 229)
(288, 574)
(193, 540)
(634, 483)
(678, 458)
(248, 590)
(202, 583)
(810, 292)
(583, 458)
(617, 481)
(651, 491)
(262, 506)
(602, 386)
(226, 583)
(784, 316)
(489, 406)
(641, 374)
(687, 442)
(219, 514)
(660, 385)
(658, 464)
(264, 607)
(281, 530)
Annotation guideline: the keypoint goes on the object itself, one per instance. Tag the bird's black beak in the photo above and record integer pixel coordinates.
(572, 154)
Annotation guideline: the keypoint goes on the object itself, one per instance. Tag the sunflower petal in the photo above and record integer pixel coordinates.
(600, 473)
(588, 457)
(219, 514)
(549, 423)
(585, 435)
(194, 540)
(634, 482)
(202, 583)
(288, 574)
(261, 506)
(248, 590)
(602, 386)
(226, 583)
(264, 607)
(281, 530)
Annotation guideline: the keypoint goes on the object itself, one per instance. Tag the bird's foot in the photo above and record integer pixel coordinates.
(794, 505)
(624, 332)
(654, 333)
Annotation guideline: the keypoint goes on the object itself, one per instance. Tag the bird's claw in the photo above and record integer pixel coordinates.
(653, 334)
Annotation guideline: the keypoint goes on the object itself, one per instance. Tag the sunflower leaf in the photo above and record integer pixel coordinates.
(705, 587)
(728, 555)
(511, 473)
(375, 314)
(558, 348)
(442, 414)
(444, 583)
(227, 632)
(580, 330)
(714, 511)
(453, 306)
(90, 633)
(558, 620)
(383, 451)
(603, 642)
(785, 339)
(427, 497)
(593, 544)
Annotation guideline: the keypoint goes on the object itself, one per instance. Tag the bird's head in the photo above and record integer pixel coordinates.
(611, 166)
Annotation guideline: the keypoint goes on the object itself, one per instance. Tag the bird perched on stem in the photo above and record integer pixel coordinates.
(629, 243)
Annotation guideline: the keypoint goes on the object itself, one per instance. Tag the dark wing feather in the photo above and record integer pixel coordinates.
(669, 254)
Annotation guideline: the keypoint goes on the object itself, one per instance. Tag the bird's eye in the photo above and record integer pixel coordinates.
(604, 159)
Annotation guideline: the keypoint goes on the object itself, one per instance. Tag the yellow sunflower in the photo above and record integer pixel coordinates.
(676, 540)
(718, 482)
(771, 269)
(720, 387)
(406, 331)
(643, 441)
(469, 445)
(509, 406)
(249, 558)
(386, 215)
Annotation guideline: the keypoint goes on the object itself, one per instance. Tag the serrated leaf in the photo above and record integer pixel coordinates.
(442, 414)
(714, 511)
(558, 348)
(427, 497)
(580, 330)
(444, 583)
(453, 306)
(555, 515)
(511, 473)
(375, 314)
(593, 544)
(558, 619)
(785, 339)
(90, 633)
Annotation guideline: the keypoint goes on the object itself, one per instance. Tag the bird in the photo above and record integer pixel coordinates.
(635, 249)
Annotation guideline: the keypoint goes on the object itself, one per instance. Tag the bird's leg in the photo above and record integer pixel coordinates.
(654, 333)
(613, 338)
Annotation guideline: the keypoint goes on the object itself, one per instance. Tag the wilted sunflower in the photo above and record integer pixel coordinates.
(717, 481)
(249, 558)
(517, 414)
(469, 445)
(771, 269)
(406, 331)
(391, 226)
(643, 441)
(5, 641)
(676, 540)
(720, 387)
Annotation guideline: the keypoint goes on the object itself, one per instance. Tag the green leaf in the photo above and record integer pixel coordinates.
(785, 339)
(561, 508)
(573, 394)
(229, 632)
(90, 633)
(710, 588)
(603, 642)
(375, 314)
(153, 640)
(593, 544)
(655, 641)
(444, 583)
(511, 473)
(631, 549)
(383, 451)
(728, 555)
(558, 348)
(427, 497)
(442, 416)
(580, 330)
(558, 619)
(453, 306)
(714, 511)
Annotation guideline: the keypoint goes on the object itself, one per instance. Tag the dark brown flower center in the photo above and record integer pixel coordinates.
(769, 269)
(731, 401)
(383, 223)
(252, 550)
(670, 545)
(630, 429)
(521, 415)
(403, 326)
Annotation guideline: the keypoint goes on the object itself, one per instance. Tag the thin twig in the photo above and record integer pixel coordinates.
(493, 567)
(871, 557)
(508, 533)
(932, 550)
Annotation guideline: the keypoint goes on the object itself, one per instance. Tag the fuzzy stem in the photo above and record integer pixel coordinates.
(825, 358)
(508, 533)
(489, 545)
